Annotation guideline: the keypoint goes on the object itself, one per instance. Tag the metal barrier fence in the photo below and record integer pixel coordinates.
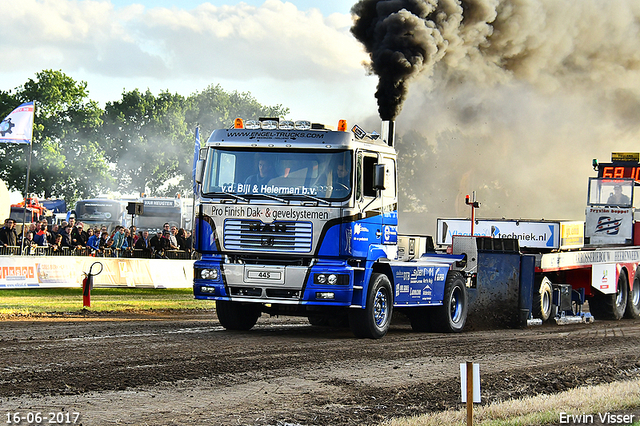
(85, 251)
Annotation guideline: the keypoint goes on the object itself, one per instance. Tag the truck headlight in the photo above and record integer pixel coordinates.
(209, 274)
(331, 279)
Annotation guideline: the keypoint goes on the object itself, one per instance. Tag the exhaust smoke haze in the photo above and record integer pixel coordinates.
(510, 98)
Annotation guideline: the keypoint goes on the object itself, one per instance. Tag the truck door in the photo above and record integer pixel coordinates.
(377, 208)
(389, 200)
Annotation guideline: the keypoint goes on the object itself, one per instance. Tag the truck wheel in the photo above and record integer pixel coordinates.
(237, 316)
(633, 299)
(542, 300)
(420, 319)
(373, 321)
(610, 306)
(452, 315)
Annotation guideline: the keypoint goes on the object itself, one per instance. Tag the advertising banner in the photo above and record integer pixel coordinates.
(50, 271)
(532, 234)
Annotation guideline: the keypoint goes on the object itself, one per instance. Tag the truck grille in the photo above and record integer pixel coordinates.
(292, 237)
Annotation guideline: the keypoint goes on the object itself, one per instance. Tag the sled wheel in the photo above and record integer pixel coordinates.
(373, 321)
(237, 316)
(633, 299)
(542, 300)
(610, 306)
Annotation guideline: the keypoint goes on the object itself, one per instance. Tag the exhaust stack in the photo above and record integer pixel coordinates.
(388, 131)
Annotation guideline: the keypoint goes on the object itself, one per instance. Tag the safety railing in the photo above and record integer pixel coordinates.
(87, 251)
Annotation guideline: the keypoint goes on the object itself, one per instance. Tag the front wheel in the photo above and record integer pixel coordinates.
(452, 315)
(237, 316)
(373, 321)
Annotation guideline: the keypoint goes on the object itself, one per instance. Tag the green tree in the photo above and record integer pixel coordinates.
(150, 139)
(66, 159)
(147, 139)
(214, 108)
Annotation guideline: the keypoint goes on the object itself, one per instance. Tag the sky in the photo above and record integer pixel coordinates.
(297, 54)
(509, 98)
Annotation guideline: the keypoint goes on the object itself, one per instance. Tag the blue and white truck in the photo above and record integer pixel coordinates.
(295, 219)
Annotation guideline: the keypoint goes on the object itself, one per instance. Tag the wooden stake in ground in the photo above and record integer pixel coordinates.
(469, 393)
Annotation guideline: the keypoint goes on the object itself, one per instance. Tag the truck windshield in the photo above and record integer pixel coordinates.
(294, 173)
(157, 212)
(98, 210)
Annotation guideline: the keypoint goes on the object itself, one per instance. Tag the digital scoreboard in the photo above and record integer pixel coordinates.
(623, 165)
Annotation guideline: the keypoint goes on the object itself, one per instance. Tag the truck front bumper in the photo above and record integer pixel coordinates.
(322, 284)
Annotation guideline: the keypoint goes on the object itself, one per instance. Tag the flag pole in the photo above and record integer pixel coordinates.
(196, 156)
(26, 183)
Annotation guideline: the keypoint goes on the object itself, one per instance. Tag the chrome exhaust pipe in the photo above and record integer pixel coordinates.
(388, 131)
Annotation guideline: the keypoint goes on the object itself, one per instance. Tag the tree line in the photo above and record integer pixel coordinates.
(142, 143)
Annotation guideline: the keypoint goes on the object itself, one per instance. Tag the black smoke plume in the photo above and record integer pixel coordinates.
(402, 38)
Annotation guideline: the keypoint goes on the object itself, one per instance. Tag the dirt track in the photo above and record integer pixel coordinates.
(184, 369)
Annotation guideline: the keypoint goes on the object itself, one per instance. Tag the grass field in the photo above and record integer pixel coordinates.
(61, 300)
(585, 405)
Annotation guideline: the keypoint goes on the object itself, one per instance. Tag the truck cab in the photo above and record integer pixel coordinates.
(296, 219)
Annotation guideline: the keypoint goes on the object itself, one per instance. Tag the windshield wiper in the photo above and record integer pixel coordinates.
(316, 199)
(227, 194)
(272, 197)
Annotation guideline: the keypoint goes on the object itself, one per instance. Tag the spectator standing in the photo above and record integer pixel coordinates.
(93, 242)
(173, 239)
(53, 233)
(189, 238)
(134, 235)
(154, 242)
(181, 238)
(56, 247)
(105, 242)
(8, 234)
(42, 236)
(129, 237)
(79, 236)
(62, 230)
(119, 240)
(66, 237)
(161, 244)
(144, 243)
(27, 243)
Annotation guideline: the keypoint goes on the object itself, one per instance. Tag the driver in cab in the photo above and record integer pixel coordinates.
(266, 172)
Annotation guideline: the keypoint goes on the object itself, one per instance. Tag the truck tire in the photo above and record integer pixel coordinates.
(610, 306)
(633, 299)
(373, 321)
(420, 319)
(542, 299)
(237, 316)
(452, 315)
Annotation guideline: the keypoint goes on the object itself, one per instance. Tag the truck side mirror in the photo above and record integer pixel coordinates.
(199, 171)
(200, 165)
(378, 177)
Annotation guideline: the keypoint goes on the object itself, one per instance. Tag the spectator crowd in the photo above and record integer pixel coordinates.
(74, 238)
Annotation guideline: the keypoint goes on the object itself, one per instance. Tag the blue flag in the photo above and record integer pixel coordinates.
(196, 154)
(17, 127)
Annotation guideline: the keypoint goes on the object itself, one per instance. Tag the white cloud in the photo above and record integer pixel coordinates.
(240, 41)
(243, 47)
